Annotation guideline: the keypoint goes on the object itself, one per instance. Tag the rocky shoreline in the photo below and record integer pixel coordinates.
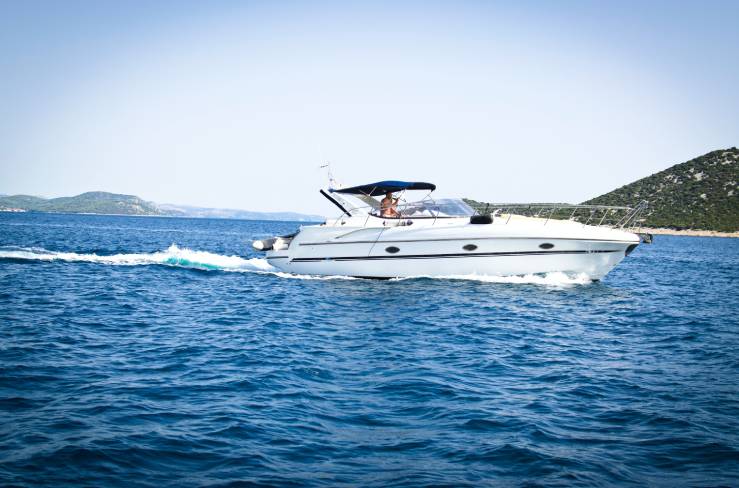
(689, 232)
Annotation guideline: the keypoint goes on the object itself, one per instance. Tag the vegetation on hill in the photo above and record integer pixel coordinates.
(25, 202)
(702, 193)
(99, 202)
(91, 202)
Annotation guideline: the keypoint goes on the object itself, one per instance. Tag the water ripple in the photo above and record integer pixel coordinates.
(127, 360)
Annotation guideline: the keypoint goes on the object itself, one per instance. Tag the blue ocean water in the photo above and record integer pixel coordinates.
(164, 352)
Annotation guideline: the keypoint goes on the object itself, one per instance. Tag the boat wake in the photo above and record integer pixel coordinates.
(173, 256)
(186, 258)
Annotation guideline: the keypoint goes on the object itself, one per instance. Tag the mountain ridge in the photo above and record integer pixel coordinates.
(100, 202)
(699, 194)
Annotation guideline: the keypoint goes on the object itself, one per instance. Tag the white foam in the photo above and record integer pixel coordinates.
(283, 274)
(173, 256)
(548, 279)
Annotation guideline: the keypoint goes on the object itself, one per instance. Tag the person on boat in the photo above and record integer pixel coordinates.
(389, 206)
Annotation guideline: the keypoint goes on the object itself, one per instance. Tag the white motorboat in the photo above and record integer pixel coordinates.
(446, 237)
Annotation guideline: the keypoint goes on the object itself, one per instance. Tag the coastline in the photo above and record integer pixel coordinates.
(688, 232)
(651, 230)
(19, 211)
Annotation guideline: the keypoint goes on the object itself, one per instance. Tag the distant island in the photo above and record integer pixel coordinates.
(699, 195)
(100, 202)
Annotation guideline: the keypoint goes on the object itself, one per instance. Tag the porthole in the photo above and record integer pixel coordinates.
(546, 245)
(392, 249)
(469, 247)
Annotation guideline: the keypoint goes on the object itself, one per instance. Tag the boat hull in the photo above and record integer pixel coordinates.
(464, 250)
(594, 264)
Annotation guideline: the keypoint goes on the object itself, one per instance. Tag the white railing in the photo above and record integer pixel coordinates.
(598, 215)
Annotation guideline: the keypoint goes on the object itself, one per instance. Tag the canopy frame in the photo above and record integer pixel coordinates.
(382, 187)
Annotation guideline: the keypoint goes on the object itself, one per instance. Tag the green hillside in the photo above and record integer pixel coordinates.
(20, 201)
(699, 194)
(91, 202)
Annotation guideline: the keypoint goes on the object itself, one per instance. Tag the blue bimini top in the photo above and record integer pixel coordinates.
(382, 187)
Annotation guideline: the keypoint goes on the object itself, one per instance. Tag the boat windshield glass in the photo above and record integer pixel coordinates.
(443, 207)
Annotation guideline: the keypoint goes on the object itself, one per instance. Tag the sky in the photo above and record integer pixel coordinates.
(238, 104)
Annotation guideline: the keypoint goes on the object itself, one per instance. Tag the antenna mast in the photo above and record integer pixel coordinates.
(329, 174)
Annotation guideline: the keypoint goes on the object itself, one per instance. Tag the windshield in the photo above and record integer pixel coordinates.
(429, 208)
(443, 207)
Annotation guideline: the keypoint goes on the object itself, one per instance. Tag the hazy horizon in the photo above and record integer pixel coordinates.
(236, 105)
(331, 210)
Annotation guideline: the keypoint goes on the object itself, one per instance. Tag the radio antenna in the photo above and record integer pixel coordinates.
(329, 174)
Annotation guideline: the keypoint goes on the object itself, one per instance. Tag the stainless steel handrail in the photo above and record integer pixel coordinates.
(621, 217)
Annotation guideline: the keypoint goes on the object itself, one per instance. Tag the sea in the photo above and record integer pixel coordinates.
(147, 351)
